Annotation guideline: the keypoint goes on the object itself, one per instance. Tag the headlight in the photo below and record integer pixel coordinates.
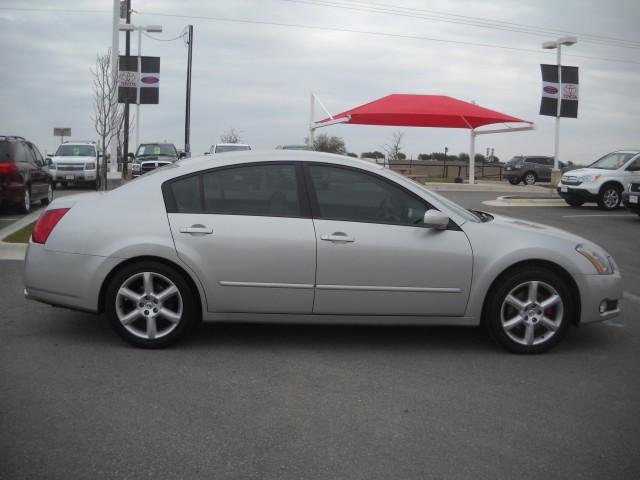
(598, 258)
(589, 178)
(90, 166)
(135, 167)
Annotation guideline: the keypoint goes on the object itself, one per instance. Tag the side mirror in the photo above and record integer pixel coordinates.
(435, 219)
(633, 168)
(182, 155)
(131, 155)
(206, 153)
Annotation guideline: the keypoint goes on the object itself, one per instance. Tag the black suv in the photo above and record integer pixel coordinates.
(24, 177)
(150, 156)
(631, 198)
(530, 170)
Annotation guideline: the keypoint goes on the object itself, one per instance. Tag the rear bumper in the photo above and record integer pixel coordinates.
(596, 290)
(629, 203)
(83, 277)
(11, 193)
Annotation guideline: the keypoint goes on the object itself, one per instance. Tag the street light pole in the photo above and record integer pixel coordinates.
(187, 118)
(557, 44)
(115, 55)
(125, 134)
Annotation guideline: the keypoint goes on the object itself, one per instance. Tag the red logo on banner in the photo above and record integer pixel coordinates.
(150, 80)
(548, 89)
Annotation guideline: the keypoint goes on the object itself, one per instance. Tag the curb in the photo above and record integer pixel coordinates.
(512, 201)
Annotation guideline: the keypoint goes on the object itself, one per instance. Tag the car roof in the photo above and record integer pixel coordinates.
(231, 144)
(80, 142)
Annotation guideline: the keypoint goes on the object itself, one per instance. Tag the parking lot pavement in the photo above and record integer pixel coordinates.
(301, 401)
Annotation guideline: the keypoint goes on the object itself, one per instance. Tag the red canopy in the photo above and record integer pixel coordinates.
(423, 111)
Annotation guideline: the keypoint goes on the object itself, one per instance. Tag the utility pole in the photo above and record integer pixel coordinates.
(187, 118)
(115, 55)
(125, 140)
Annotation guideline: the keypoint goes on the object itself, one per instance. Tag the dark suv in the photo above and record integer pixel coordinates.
(529, 170)
(631, 198)
(24, 178)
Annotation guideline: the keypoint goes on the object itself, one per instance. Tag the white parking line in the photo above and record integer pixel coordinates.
(598, 215)
(632, 297)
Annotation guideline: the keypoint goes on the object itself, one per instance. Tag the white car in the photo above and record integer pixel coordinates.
(603, 181)
(228, 147)
(75, 162)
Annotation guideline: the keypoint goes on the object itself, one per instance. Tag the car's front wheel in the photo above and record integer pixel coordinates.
(529, 311)
(514, 181)
(150, 305)
(610, 197)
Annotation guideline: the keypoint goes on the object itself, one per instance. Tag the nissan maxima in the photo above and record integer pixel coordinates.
(294, 236)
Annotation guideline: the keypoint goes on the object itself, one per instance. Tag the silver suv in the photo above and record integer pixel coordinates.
(75, 162)
(529, 170)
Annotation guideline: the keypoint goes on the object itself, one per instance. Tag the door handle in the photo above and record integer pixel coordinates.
(195, 229)
(337, 237)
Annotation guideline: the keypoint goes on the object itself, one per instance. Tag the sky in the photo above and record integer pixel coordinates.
(256, 77)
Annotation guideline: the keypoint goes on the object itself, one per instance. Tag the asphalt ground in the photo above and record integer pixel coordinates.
(301, 401)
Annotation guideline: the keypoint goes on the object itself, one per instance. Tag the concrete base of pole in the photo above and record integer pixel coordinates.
(555, 176)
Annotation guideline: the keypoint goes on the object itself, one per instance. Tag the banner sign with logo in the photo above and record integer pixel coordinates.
(149, 82)
(564, 89)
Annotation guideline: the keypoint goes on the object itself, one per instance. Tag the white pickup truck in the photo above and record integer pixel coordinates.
(75, 162)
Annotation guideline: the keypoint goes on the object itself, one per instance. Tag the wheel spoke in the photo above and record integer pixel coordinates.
(550, 302)
(549, 324)
(173, 317)
(514, 302)
(515, 321)
(166, 293)
(533, 291)
(130, 294)
(148, 283)
(528, 334)
(130, 317)
(151, 328)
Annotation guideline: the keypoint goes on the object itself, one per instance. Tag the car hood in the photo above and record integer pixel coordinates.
(515, 226)
(74, 159)
(156, 158)
(578, 172)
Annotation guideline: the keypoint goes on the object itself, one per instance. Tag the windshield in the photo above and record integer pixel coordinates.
(454, 207)
(516, 161)
(76, 151)
(230, 148)
(157, 149)
(612, 161)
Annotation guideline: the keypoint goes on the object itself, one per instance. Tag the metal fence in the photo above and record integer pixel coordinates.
(426, 169)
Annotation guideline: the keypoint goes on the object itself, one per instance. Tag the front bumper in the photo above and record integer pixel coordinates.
(73, 175)
(577, 193)
(512, 174)
(596, 289)
(631, 201)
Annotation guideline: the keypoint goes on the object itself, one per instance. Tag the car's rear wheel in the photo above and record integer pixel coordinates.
(574, 203)
(150, 305)
(529, 178)
(514, 181)
(25, 206)
(49, 198)
(610, 197)
(529, 311)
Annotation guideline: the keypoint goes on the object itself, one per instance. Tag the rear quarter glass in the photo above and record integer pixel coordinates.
(5, 152)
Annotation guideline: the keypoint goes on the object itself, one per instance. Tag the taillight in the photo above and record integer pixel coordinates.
(8, 168)
(46, 223)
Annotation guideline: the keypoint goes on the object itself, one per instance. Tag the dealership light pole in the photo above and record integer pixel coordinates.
(140, 29)
(557, 44)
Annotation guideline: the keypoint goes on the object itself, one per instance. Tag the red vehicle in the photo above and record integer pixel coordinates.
(24, 178)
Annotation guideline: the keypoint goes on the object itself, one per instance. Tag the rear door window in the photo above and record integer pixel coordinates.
(5, 152)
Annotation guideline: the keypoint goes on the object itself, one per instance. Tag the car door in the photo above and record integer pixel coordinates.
(246, 232)
(41, 176)
(632, 173)
(375, 257)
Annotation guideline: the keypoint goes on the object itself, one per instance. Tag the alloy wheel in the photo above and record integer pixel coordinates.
(27, 200)
(611, 198)
(530, 179)
(149, 305)
(532, 313)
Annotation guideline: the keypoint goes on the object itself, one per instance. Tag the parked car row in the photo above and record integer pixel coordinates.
(530, 169)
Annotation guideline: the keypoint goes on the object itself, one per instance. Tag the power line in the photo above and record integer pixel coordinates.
(463, 20)
(330, 29)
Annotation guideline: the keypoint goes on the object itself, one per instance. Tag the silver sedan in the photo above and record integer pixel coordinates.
(294, 236)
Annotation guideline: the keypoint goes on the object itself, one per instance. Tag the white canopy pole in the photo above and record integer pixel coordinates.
(472, 157)
(311, 116)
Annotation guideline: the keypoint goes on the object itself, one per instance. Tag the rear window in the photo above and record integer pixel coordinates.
(231, 148)
(5, 152)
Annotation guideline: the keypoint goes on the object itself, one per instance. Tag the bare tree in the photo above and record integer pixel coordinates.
(107, 116)
(394, 148)
(325, 143)
(231, 136)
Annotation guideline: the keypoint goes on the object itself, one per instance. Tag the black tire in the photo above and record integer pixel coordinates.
(49, 198)
(63, 184)
(574, 203)
(514, 181)
(529, 178)
(609, 197)
(25, 206)
(115, 306)
(497, 303)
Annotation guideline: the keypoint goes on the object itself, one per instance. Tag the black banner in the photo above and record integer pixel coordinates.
(149, 80)
(564, 89)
